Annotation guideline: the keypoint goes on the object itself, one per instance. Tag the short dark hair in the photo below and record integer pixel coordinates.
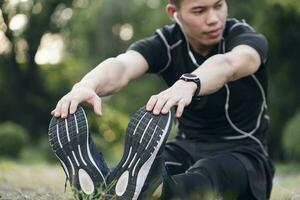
(175, 2)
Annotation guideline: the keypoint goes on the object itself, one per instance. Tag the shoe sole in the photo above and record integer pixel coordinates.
(69, 140)
(144, 136)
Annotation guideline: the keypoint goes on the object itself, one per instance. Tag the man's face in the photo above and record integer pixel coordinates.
(203, 20)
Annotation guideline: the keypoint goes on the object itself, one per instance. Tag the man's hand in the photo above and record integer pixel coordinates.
(80, 93)
(180, 94)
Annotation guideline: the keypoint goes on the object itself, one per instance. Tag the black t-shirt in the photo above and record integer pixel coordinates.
(167, 54)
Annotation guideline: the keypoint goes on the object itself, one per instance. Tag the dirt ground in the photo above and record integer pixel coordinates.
(31, 182)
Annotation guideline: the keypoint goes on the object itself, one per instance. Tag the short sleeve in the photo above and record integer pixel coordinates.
(153, 50)
(243, 34)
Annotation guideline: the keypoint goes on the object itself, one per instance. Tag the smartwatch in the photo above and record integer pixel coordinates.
(192, 78)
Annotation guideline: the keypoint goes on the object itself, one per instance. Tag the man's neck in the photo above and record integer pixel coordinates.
(203, 50)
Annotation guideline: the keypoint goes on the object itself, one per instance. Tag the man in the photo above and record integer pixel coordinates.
(216, 73)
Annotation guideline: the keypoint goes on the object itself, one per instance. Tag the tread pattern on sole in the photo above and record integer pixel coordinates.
(145, 135)
(69, 140)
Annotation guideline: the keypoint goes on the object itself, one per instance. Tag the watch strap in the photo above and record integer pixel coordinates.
(195, 79)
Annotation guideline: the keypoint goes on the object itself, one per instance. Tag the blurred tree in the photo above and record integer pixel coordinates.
(114, 26)
(283, 32)
(292, 137)
(24, 96)
(33, 79)
(12, 139)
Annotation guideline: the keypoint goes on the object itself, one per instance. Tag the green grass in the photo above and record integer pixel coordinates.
(41, 181)
(287, 182)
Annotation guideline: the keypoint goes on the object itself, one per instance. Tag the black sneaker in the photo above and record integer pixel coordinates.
(146, 136)
(70, 141)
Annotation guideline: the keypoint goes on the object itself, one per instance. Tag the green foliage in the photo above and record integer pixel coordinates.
(45, 151)
(137, 94)
(291, 138)
(108, 132)
(12, 139)
(284, 45)
(286, 4)
(112, 125)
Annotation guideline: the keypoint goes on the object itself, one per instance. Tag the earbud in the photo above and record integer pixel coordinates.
(175, 15)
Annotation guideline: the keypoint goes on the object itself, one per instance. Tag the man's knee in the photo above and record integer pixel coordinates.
(226, 174)
(189, 185)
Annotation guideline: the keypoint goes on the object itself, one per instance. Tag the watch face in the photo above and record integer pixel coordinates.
(192, 78)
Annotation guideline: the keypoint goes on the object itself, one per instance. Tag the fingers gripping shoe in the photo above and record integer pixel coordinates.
(145, 140)
(70, 141)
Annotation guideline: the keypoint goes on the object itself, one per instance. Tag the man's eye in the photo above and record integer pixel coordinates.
(198, 12)
(219, 5)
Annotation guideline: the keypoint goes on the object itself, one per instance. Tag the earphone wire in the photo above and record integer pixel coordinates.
(243, 133)
(222, 49)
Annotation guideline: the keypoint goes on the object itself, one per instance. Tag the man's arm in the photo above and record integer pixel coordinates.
(114, 73)
(107, 78)
(214, 73)
(218, 70)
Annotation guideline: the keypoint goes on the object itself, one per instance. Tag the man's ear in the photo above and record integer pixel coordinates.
(171, 10)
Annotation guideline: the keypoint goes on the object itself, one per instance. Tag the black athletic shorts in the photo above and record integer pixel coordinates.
(230, 166)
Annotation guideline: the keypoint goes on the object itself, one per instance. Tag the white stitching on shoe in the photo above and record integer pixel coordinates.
(145, 130)
(75, 118)
(75, 158)
(67, 130)
(151, 138)
(127, 157)
(57, 133)
(139, 123)
(135, 166)
(80, 154)
(88, 149)
(73, 170)
(64, 166)
(132, 160)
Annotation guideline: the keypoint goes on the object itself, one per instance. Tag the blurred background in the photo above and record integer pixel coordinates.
(48, 45)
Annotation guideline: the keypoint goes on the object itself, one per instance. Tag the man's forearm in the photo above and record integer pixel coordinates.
(106, 78)
(220, 69)
(213, 73)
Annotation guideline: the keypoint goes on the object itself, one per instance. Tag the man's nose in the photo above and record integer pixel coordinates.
(212, 17)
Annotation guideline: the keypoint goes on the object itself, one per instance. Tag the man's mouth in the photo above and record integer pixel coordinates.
(214, 33)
